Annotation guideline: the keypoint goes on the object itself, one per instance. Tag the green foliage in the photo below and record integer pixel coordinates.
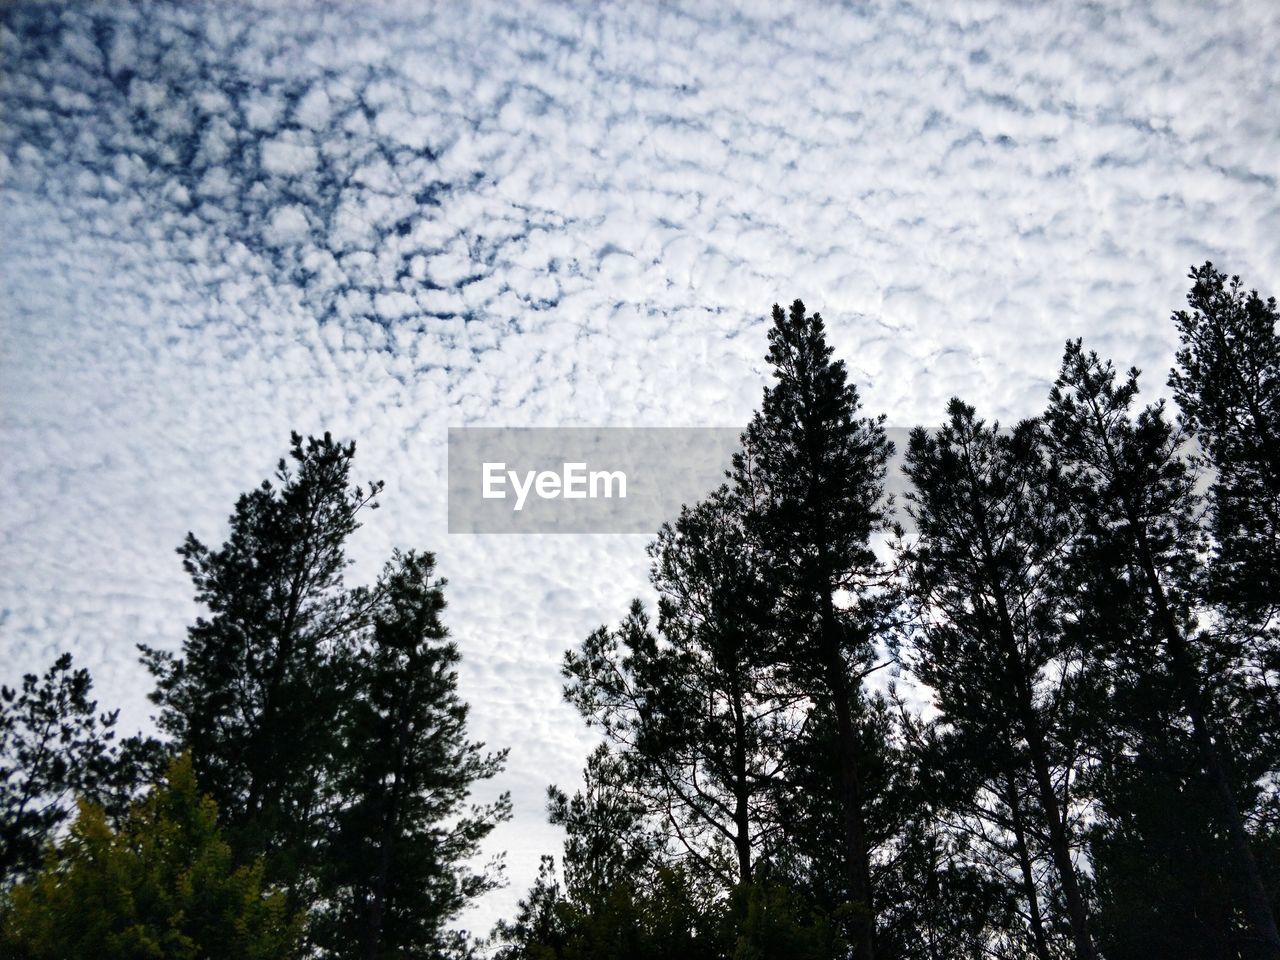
(163, 885)
(773, 920)
(325, 719)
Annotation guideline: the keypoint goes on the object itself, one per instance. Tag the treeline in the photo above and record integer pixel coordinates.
(310, 795)
(1042, 723)
(1086, 604)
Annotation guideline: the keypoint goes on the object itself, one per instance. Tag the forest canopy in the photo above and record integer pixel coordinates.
(1044, 723)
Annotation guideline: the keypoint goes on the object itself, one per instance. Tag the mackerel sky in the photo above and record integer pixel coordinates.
(222, 221)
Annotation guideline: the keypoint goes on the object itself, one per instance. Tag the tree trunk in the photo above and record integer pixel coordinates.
(1059, 846)
(857, 856)
(741, 790)
(1039, 941)
(1257, 904)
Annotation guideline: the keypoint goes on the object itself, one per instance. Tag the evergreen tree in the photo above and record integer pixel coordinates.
(625, 896)
(1227, 384)
(812, 473)
(163, 885)
(55, 747)
(993, 530)
(947, 874)
(402, 834)
(543, 923)
(1132, 488)
(692, 705)
(326, 720)
(259, 680)
(1165, 884)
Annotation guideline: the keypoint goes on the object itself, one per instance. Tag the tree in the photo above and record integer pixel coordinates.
(944, 895)
(812, 472)
(259, 680)
(325, 719)
(1133, 487)
(985, 571)
(163, 885)
(54, 747)
(693, 705)
(402, 833)
(1164, 880)
(623, 897)
(543, 922)
(1227, 384)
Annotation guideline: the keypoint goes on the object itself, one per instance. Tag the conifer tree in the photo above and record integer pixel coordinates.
(969, 863)
(162, 885)
(812, 471)
(625, 896)
(396, 859)
(692, 704)
(1134, 488)
(1227, 384)
(55, 748)
(326, 720)
(258, 681)
(993, 531)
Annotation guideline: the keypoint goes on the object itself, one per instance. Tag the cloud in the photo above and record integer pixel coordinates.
(224, 221)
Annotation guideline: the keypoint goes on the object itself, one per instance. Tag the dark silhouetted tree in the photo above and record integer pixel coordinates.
(624, 896)
(259, 680)
(396, 860)
(812, 473)
(692, 704)
(994, 530)
(54, 748)
(1133, 488)
(1227, 384)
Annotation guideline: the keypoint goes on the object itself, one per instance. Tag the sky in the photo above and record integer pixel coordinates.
(223, 221)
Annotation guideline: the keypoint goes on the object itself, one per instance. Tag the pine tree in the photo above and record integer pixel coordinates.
(812, 472)
(163, 885)
(54, 748)
(692, 704)
(993, 530)
(403, 833)
(1164, 881)
(1134, 488)
(259, 680)
(625, 896)
(724, 711)
(963, 879)
(1227, 384)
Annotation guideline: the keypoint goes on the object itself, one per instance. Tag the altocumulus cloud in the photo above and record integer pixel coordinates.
(221, 221)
